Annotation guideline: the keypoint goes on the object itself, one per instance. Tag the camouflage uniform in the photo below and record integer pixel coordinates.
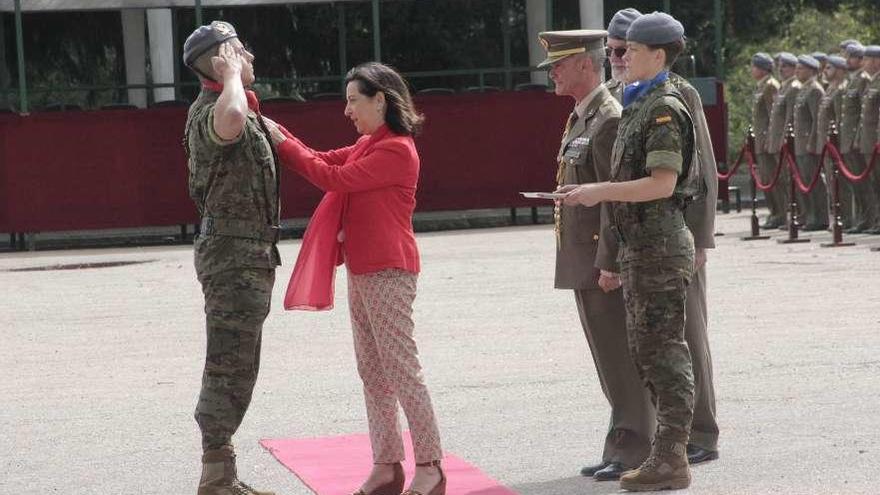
(850, 117)
(234, 185)
(806, 150)
(657, 253)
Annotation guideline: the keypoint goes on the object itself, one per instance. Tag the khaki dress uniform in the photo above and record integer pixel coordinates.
(829, 111)
(850, 122)
(781, 114)
(867, 138)
(762, 102)
(806, 150)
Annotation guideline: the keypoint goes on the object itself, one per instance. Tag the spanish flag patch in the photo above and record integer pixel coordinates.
(664, 119)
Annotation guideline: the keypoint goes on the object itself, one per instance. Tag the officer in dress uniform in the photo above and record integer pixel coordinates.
(766, 88)
(575, 60)
(806, 109)
(829, 111)
(781, 113)
(869, 128)
(822, 57)
(652, 178)
(850, 122)
(233, 180)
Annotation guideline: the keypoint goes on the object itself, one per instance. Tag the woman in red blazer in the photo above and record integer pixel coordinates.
(373, 187)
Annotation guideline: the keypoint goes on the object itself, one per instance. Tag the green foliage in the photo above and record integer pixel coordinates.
(809, 30)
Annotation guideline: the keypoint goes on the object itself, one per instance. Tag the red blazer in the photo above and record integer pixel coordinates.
(378, 175)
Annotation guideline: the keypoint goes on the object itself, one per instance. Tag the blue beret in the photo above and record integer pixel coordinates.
(786, 58)
(808, 61)
(872, 51)
(837, 61)
(762, 60)
(621, 21)
(204, 38)
(656, 28)
(820, 56)
(846, 43)
(855, 49)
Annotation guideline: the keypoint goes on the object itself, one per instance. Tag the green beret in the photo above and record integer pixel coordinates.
(204, 38)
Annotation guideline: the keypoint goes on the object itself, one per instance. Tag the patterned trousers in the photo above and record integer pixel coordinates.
(388, 364)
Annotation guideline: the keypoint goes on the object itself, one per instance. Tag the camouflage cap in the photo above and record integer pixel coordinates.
(621, 21)
(656, 28)
(837, 61)
(561, 44)
(808, 61)
(204, 38)
(763, 60)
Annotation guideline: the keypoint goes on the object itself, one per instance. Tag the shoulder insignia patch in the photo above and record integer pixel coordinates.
(663, 119)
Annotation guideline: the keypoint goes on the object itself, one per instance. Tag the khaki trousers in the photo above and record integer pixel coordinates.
(633, 418)
(388, 364)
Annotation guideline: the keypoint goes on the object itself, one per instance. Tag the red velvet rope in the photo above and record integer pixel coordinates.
(773, 181)
(796, 174)
(729, 174)
(844, 170)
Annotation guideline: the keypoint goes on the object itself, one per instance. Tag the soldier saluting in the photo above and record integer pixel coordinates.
(233, 181)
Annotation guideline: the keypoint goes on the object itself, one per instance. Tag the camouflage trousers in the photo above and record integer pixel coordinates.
(236, 304)
(654, 293)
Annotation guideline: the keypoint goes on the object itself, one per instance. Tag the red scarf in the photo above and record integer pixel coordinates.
(252, 101)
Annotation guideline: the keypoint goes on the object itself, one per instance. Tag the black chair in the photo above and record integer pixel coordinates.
(436, 91)
(326, 96)
(170, 103)
(531, 87)
(119, 106)
(482, 89)
(61, 107)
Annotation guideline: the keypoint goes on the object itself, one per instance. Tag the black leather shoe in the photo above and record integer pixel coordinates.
(611, 472)
(697, 455)
(589, 471)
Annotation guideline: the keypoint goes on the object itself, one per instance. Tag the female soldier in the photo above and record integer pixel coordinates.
(651, 179)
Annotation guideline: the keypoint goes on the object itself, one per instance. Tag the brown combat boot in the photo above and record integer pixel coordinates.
(665, 469)
(219, 476)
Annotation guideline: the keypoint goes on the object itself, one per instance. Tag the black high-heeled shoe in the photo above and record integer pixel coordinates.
(393, 487)
(439, 488)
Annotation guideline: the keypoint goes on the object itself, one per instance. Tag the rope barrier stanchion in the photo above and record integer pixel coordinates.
(837, 225)
(794, 218)
(750, 154)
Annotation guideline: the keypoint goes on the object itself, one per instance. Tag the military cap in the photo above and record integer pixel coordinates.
(808, 61)
(820, 56)
(204, 38)
(621, 21)
(872, 51)
(855, 50)
(561, 44)
(762, 60)
(837, 61)
(786, 58)
(656, 28)
(846, 43)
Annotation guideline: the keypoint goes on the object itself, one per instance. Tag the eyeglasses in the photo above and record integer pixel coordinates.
(617, 52)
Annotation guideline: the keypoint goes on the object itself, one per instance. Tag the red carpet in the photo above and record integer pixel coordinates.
(338, 465)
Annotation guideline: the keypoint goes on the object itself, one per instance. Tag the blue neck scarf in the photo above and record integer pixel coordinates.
(639, 89)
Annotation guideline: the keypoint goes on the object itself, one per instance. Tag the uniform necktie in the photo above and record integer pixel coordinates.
(560, 179)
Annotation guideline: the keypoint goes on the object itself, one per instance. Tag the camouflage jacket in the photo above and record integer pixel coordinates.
(656, 131)
(234, 185)
(851, 110)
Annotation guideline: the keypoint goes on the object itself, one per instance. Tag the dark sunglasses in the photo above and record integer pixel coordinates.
(618, 52)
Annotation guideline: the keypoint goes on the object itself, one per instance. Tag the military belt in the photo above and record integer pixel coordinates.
(246, 229)
(645, 233)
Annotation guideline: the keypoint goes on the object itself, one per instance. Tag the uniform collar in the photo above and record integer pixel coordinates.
(582, 105)
(252, 100)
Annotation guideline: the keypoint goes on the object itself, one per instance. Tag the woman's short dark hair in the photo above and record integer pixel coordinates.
(672, 51)
(400, 113)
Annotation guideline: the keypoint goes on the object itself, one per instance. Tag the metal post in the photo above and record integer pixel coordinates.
(794, 219)
(19, 41)
(719, 45)
(505, 32)
(377, 43)
(198, 13)
(837, 226)
(343, 62)
(756, 230)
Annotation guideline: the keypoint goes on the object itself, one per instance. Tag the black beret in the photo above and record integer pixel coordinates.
(204, 38)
